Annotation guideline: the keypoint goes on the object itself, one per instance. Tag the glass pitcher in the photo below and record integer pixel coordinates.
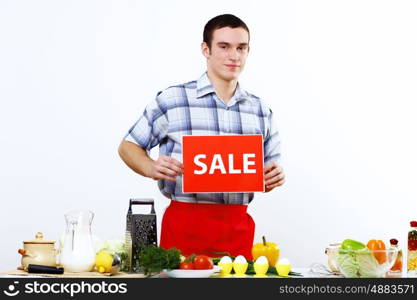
(77, 253)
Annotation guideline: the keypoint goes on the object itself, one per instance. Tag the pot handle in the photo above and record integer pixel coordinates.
(24, 252)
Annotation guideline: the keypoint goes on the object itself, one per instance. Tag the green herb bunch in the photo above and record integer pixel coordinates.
(152, 259)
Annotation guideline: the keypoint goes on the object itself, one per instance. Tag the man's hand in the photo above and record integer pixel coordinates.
(165, 167)
(273, 176)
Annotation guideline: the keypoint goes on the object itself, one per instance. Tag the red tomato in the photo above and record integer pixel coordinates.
(203, 262)
(186, 265)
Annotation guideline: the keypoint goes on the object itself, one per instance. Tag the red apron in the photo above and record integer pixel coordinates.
(202, 228)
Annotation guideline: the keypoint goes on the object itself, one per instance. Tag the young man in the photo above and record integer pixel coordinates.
(215, 104)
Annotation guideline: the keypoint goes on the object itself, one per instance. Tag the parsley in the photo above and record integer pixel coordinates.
(154, 259)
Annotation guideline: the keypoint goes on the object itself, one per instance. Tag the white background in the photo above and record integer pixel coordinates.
(340, 76)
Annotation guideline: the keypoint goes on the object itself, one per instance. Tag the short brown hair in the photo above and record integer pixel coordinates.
(226, 20)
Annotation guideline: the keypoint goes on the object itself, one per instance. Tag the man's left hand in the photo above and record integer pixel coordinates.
(273, 176)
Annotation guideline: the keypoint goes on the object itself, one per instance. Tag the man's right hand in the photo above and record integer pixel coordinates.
(138, 160)
(165, 167)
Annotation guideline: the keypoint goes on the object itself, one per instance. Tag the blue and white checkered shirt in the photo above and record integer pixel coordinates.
(193, 108)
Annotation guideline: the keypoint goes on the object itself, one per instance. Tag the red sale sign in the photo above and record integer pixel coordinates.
(223, 163)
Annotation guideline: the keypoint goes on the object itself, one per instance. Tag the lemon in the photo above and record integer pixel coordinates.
(104, 261)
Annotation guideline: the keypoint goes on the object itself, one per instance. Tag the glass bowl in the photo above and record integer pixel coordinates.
(362, 263)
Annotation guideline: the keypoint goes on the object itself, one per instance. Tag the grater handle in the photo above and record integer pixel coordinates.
(142, 201)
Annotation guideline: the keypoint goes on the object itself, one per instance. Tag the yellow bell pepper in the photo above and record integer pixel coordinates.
(268, 249)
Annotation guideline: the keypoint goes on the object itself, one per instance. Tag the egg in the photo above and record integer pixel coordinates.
(261, 266)
(240, 259)
(284, 261)
(225, 260)
(283, 267)
(262, 260)
(240, 265)
(226, 265)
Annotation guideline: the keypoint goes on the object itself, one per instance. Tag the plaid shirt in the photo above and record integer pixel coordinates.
(193, 108)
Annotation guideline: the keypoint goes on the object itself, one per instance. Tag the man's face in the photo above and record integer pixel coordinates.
(227, 56)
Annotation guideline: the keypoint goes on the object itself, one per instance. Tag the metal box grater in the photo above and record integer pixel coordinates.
(140, 230)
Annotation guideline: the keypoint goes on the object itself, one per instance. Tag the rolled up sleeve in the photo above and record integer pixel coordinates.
(272, 142)
(152, 126)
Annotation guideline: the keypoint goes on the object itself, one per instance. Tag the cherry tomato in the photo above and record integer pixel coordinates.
(186, 265)
(203, 262)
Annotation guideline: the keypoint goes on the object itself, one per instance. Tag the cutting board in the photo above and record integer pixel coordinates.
(75, 275)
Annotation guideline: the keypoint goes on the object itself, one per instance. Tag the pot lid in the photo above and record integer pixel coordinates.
(38, 240)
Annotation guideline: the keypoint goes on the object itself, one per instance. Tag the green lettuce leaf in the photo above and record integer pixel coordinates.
(114, 246)
(368, 265)
(347, 264)
(360, 263)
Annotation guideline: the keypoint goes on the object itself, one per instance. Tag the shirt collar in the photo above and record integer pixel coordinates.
(204, 87)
